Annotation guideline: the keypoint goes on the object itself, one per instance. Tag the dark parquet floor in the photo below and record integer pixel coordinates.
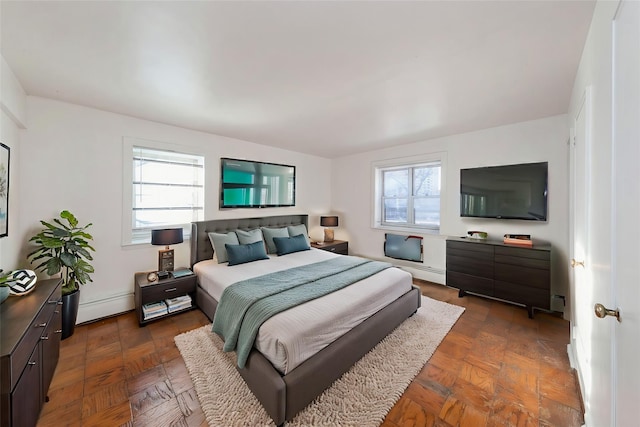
(496, 367)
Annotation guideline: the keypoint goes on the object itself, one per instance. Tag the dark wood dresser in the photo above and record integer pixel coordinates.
(30, 330)
(512, 273)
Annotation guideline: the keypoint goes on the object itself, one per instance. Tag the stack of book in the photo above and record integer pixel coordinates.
(518, 239)
(154, 309)
(178, 303)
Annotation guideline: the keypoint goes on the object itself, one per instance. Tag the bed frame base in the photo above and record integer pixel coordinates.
(283, 396)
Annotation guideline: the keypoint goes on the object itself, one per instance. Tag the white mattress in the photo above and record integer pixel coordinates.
(291, 337)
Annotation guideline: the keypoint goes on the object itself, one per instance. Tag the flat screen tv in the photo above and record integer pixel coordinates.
(251, 184)
(505, 192)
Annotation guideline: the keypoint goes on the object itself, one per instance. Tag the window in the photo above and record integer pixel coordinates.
(167, 190)
(407, 195)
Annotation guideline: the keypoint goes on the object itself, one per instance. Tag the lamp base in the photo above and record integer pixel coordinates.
(328, 235)
(165, 260)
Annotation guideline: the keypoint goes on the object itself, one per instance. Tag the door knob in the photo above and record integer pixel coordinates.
(575, 263)
(602, 312)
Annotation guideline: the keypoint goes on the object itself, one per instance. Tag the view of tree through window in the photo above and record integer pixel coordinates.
(411, 195)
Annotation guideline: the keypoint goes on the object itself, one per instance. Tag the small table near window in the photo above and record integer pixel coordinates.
(337, 246)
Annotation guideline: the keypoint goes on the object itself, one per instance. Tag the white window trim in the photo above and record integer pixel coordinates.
(127, 188)
(376, 172)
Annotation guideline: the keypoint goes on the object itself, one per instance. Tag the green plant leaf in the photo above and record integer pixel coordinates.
(68, 259)
(54, 265)
(52, 242)
(61, 233)
(69, 217)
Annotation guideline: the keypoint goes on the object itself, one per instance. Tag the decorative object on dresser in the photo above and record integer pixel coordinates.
(21, 282)
(160, 298)
(30, 346)
(492, 268)
(337, 246)
(64, 248)
(166, 237)
(328, 222)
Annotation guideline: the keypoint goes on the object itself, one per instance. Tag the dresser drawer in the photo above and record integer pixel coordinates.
(31, 337)
(535, 297)
(533, 277)
(470, 283)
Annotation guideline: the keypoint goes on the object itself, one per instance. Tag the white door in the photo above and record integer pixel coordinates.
(590, 340)
(626, 212)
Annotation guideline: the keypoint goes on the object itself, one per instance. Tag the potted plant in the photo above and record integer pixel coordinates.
(64, 248)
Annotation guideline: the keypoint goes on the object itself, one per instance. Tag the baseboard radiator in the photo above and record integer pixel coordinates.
(408, 248)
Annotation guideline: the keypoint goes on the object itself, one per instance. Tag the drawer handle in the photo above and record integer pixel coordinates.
(171, 290)
(44, 337)
(332, 249)
(31, 363)
(57, 331)
(40, 325)
(60, 303)
(52, 302)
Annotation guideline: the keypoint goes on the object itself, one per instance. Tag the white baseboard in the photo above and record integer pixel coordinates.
(573, 362)
(110, 306)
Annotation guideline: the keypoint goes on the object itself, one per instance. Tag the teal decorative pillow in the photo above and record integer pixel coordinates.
(288, 245)
(270, 233)
(295, 230)
(251, 236)
(241, 254)
(218, 241)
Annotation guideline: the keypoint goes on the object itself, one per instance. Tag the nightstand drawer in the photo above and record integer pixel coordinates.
(337, 246)
(340, 248)
(172, 289)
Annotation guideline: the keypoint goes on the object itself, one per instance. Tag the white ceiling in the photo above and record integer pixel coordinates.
(325, 78)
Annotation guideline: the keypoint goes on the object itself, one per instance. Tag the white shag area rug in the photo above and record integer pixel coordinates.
(361, 397)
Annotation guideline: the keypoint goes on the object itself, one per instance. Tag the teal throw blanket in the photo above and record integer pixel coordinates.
(246, 305)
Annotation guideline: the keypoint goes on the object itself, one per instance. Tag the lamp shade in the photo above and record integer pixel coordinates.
(166, 237)
(329, 221)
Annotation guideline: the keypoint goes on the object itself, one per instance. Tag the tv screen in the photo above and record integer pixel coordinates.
(251, 184)
(505, 192)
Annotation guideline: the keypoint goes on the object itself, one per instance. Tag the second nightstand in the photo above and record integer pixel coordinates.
(151, 292)
(337, 246)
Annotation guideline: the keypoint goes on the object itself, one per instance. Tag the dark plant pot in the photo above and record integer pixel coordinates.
(70, 304)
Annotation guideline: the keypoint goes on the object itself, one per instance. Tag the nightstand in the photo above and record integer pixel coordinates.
(160, 290)
(337, 246)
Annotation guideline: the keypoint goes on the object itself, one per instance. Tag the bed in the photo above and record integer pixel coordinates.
(286, 389)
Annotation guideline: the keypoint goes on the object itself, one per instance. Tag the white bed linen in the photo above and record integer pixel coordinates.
(291, 337)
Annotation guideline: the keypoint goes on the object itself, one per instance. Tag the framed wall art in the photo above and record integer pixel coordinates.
(4, 190)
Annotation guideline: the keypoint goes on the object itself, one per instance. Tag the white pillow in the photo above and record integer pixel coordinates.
(296, 230)
(248, 237)
(270, 233)
(218, 240)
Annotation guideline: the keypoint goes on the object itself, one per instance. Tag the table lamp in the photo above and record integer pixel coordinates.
(328, 221)
(166, 237)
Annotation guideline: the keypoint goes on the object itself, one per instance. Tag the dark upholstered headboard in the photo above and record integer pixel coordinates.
(201, 248)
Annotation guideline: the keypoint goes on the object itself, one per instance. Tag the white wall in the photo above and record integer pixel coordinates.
(533, 141)
(71, 158)
(12, 117)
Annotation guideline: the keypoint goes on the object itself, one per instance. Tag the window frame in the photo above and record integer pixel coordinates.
(378, 169)
(131, 236)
